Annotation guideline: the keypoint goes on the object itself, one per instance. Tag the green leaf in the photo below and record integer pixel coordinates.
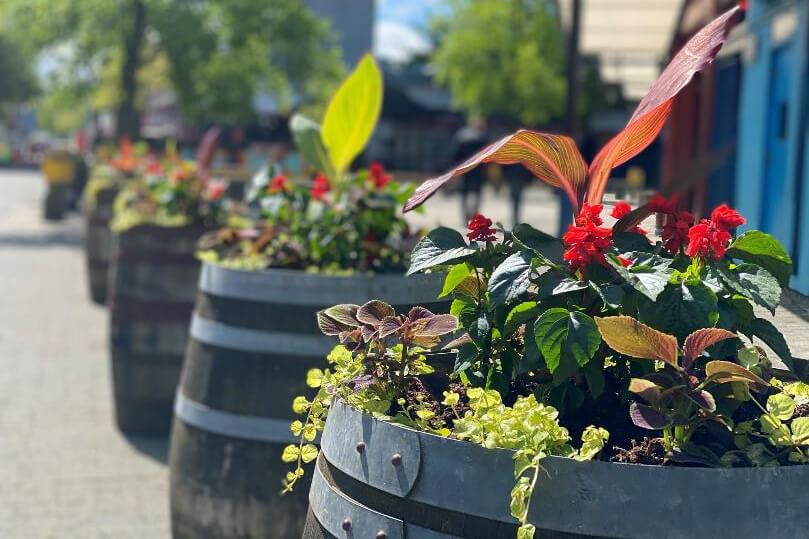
(754, 282)
(567, 336)
(309, 142)
(440, 247)
(596, 381)
(781, 406)
(800, 429)
(643, 260)
(630, 241)
(518, 316)
(612, 294)
(510, 279)
(762, 249)
(290, 453)
(554, 283)
(308, 453)
(764, 330)
(467, 355)
(352, 114)
(543, 244)
(681, 309)
(455, 277)
(645, 279)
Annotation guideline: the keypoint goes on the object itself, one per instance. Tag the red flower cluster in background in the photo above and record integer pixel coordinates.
(678, 223)
(278, 183)
(480, 229)
(711, 236)
(378, 175)
(586, 241)
(321, 187)
(216, 189)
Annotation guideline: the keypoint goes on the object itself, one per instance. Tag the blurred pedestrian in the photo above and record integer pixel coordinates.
(518, 177)
(468, 141)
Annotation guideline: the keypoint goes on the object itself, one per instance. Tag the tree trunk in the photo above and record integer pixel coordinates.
(128, 119)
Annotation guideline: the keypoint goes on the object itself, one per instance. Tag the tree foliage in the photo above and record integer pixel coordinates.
(503, 57)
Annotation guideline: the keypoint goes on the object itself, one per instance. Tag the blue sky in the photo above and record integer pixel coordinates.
(414, 13)
(399, 24)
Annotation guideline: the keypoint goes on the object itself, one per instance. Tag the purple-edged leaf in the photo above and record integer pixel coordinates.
(351, 339)
(206, 150)
(554, 159)
(389, 326)
(438, 325)
(647, 417)
(373, 312)
(457, 343)
(417, 313)
(336, 320)
(368, 333)
(345, 313)
(646, 389)
(655, 107)
(703, 399)
(696, 343)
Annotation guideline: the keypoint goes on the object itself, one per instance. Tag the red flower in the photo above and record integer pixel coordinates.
(659, 204)
(278, 183)
(321, 187)
(620, 209)
(376, 168)
(726, 218)
(378, 175)
(216, 189)
(590, 214)
(625, 262)
(706, 239)
(480, 229)
(675, 231)
(586, 244)
(154, 167)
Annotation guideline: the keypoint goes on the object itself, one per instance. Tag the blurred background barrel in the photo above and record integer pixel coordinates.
(97, 242)
(152, 284)
(254, 336)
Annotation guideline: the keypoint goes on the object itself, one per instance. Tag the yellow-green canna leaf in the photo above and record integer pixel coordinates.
(352, 114)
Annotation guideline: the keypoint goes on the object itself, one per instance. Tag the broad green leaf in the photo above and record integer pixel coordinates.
(467, 355)
(455, 277)
(754, 282)
(612, 294)
(440, 247)
(767, 332)
(518, 316)
(681, 309)
(554, 282)
(630, 241)
(566, 336)
(642, 260)
(781, 406)
(627, 336)
(352, 114)
(309, 142)
(762, 249)
(646, 280)
(510, 279)
(545, 245)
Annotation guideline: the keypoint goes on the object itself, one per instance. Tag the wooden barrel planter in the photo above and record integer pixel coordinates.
(254, 335)
(408, 484)
(97, 243)
(153, 278)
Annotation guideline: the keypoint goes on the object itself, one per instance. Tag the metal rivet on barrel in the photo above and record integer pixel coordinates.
(360, 447)
(381, 535)
(347, 524)
(396, 459)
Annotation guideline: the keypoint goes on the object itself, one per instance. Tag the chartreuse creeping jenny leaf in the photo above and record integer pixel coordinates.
(759, 248)
(352, 114)
(567, 338)
(627, 336)
(440, 247)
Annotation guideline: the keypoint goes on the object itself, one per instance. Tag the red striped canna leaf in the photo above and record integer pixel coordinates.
(554, 159)
(654, 109)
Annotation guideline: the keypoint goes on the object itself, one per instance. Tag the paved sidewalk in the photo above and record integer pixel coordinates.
(65, 471)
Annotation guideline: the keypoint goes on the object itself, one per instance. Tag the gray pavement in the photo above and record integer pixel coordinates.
(65, 471)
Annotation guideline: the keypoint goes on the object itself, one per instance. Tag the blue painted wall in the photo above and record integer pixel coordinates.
(754, 118)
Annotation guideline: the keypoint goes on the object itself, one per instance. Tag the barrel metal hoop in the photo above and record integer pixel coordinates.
(381, 454)
(246, 427)
(343, 517)
(250, 340)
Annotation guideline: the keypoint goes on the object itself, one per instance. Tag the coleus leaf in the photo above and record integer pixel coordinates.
(646, 389)
(647, 417)
(722, 372)
(554, 159)
(206, 150)
(435, 326)
(338, 319)
(654, 109)
(703, 399)
(697, 342)
(417, 313)
(389, 326)
(373, 312)
(627, 336)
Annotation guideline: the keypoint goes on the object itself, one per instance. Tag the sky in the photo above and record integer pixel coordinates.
(398, 32)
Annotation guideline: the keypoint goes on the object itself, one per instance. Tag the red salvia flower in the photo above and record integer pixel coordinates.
(625, 262)
(321, 187)
(154, 167)
(659, 204)
(726, 218)
(590, 214)
(675, 231)
(586, 244)
(278, 183)
(480, 229)
(706, 239)
(216, 189)
(620, 209)
(378, 175)
(376, 168)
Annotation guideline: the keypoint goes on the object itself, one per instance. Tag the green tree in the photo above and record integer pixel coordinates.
(503, 57)
(17, 82)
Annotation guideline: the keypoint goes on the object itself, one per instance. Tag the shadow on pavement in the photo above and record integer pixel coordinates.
(796, 303)
(156, 447)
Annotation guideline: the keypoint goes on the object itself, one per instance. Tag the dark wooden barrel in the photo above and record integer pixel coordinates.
(442, 488)
(97, 242)
(253, 337)
(153, 281)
